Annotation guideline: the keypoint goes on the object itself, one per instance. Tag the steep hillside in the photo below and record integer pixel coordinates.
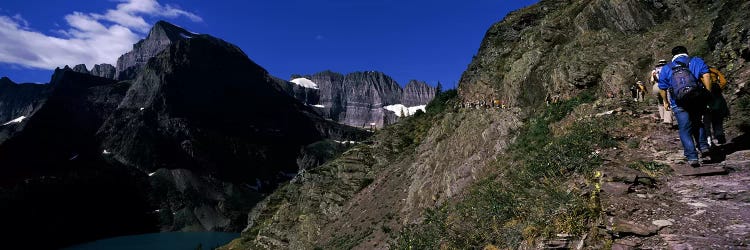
(528, 176)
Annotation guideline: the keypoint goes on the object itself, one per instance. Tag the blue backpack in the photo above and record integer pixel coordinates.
(687, 91)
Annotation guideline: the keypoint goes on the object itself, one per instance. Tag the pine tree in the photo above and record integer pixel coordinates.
(439, 88)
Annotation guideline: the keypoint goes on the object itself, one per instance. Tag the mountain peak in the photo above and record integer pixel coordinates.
(163, 29)
(159, 38)
(5, 81)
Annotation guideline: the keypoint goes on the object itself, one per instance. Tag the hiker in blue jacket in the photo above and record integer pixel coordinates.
(687, 78)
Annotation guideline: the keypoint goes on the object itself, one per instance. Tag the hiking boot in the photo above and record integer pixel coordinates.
(705, 153)
(694, 163)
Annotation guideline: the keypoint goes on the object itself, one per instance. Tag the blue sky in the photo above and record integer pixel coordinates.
(417, 39)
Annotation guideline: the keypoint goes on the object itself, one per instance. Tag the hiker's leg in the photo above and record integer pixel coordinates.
(700, 134)
(717, 123)
(661, 112)
(707, 122)
(684, 125)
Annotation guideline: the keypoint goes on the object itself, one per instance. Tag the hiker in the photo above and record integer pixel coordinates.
(634, 92)
(641, 91)
(687, 78)
(713, 120)
(664, 114)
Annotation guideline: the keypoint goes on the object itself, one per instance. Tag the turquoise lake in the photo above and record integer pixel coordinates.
(166, 241)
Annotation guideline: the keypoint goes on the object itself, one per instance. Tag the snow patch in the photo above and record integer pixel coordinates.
(319, 106)
(142, 109)
(151, 174)
(305, 83)
(17, 120)
(407, 111)
(106, 152)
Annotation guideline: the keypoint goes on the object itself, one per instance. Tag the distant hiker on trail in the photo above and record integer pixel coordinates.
(634, 92)
(713, 120)
(664, 114)
(687, 78)
(640, 91)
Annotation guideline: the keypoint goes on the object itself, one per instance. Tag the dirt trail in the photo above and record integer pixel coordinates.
(681, 208)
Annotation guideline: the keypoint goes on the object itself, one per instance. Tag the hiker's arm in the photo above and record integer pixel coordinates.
(665, 102)
(706, 79)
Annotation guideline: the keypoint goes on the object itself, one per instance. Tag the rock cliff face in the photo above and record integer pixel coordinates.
(417, 93)
(81, 68)
(159, 38)
(556, 48)
(359, 99)
(101, 70)
(104, 70)
(309, 96)
(18, 102)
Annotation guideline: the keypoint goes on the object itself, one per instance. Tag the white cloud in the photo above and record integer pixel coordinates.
(90, 38)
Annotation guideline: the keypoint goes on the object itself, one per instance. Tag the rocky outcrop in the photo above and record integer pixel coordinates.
(307, 95)
(81, 68)
(417, 93)
(558, 48)
(104, 70)
(159, 38)
(101, 70)
(358, 99)
(18, 102)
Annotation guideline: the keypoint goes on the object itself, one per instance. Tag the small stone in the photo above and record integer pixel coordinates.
(615, 188)
(662, 223)
(721, 196)
(697, 204)
(564, 235)
(698, 213)
(627, 242)
(630, 227)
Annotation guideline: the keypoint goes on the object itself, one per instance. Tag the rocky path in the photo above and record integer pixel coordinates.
(664, 204)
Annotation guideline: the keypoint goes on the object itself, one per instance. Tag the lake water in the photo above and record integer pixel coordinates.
(166, 241)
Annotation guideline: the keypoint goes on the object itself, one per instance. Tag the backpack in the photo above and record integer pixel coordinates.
(686, 90)
(717, 78)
